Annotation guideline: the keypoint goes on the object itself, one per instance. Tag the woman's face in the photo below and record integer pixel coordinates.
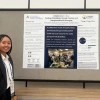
(5, 45)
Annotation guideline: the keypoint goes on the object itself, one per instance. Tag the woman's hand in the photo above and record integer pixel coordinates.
(15, 98)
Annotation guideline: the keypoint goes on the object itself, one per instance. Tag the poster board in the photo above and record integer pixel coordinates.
(12, 23)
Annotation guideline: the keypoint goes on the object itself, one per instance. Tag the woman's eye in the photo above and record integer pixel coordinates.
(9, 43)
(3, 42)
(6, 43)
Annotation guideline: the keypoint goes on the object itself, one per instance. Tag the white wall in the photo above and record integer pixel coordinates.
(93, 4)
(13, 4)
(49, 4)
(57, 4)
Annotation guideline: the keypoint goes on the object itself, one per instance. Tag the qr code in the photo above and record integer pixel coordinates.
(37, 65)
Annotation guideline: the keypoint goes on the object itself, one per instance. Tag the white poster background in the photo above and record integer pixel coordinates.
(87, 38)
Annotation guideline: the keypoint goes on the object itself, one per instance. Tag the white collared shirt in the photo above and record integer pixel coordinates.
(8, 67)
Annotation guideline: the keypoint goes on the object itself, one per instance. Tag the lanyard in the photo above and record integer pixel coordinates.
(10, 72)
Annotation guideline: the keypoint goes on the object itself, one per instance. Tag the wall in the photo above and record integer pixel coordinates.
(49, 4)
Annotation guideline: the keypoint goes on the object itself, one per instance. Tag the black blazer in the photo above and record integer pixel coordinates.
(3, 78)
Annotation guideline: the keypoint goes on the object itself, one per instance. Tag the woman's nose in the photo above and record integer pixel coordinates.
(6, 44)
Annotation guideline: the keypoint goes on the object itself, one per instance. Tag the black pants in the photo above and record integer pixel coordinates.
(6, 95)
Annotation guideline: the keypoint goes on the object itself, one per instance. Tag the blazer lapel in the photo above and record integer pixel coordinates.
(11, 61)
(3, 69)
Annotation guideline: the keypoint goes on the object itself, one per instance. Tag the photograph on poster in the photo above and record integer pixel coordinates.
(61, 58)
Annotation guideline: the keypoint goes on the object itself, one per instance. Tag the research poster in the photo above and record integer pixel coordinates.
(63, 41)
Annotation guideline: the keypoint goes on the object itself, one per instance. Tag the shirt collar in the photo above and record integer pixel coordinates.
(5, 58)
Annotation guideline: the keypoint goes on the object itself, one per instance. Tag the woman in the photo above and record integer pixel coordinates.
(6, 69)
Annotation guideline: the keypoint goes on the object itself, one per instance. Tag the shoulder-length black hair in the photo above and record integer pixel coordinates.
(1, 37)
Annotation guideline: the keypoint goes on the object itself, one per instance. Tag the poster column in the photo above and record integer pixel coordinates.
(33, 50)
